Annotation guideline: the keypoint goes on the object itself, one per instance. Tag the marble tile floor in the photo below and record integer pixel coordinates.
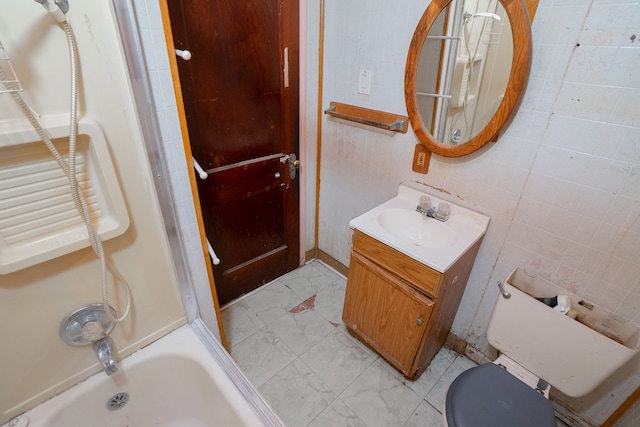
(289, 340)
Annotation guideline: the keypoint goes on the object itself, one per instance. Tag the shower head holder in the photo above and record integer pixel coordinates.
(58, 8)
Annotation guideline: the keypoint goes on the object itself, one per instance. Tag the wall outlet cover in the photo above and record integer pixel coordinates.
(421, 159)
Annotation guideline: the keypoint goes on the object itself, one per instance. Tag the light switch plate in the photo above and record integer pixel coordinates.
(364, 81)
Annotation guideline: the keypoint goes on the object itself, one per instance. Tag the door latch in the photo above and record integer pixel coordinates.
(293, 162)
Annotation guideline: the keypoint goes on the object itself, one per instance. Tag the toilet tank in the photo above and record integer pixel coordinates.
(574, 356)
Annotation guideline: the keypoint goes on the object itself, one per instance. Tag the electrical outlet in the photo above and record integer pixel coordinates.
(421, 158)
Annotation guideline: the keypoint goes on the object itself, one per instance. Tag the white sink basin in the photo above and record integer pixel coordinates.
(417, 229)
(434, 243)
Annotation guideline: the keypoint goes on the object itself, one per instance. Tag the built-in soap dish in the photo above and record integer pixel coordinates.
(38, 219)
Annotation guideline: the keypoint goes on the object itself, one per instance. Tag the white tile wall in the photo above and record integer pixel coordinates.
(155, 53)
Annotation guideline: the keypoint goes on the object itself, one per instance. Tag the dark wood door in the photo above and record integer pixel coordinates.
(240, 92)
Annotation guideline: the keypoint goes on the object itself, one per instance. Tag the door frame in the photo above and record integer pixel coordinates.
(173, 65)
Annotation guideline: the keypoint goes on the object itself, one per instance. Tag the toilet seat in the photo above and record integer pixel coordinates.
(489, 396)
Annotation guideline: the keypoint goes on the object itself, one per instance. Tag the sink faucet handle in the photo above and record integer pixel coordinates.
(444, 210)
(425, 201)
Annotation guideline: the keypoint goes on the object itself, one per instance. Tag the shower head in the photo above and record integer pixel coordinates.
(58, 8)
(469, 16)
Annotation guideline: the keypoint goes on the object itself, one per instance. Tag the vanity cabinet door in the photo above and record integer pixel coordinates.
(385, 312)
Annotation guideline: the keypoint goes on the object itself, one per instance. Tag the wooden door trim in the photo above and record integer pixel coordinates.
(290, 36)
(186, 145)
(316, 228)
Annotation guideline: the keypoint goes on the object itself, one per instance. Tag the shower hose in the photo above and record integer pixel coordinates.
(70, 171)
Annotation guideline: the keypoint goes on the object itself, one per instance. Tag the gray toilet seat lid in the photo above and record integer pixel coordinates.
(489, 396)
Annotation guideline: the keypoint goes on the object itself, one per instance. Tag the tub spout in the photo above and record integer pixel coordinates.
(102, 347)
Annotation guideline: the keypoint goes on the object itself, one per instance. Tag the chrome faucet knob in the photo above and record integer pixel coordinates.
(92, 331)
(90, 325)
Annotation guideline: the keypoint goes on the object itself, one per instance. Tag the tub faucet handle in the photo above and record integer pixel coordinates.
(90, 324)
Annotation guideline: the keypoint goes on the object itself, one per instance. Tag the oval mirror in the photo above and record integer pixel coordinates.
(467, 69)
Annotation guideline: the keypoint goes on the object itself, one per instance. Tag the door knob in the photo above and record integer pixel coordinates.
(293, 162)
(419, 321)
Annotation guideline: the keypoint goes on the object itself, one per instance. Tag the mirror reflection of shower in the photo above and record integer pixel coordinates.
(475, 98)
(463, 70)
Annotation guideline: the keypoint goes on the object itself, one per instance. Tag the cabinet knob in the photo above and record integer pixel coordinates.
(419, 321)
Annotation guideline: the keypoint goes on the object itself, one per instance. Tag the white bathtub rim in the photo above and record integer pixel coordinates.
(82, 376)
(242, 397)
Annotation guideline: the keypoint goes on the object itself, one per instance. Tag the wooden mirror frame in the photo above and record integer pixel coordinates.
(520, 66)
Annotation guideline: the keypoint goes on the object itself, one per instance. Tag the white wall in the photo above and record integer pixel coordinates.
(562, 186)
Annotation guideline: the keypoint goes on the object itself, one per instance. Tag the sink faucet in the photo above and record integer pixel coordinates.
(441, 213)
(102, 347)
(426, 210)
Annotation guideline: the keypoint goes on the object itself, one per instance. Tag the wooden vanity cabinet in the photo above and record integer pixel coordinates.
(400, 307)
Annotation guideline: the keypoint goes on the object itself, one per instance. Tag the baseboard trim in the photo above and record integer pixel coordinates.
(309, 255)
(333, 263)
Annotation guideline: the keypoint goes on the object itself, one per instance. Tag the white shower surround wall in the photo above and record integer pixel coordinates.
(34, 362)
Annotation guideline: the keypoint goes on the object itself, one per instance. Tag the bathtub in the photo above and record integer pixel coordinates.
(184, 379)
